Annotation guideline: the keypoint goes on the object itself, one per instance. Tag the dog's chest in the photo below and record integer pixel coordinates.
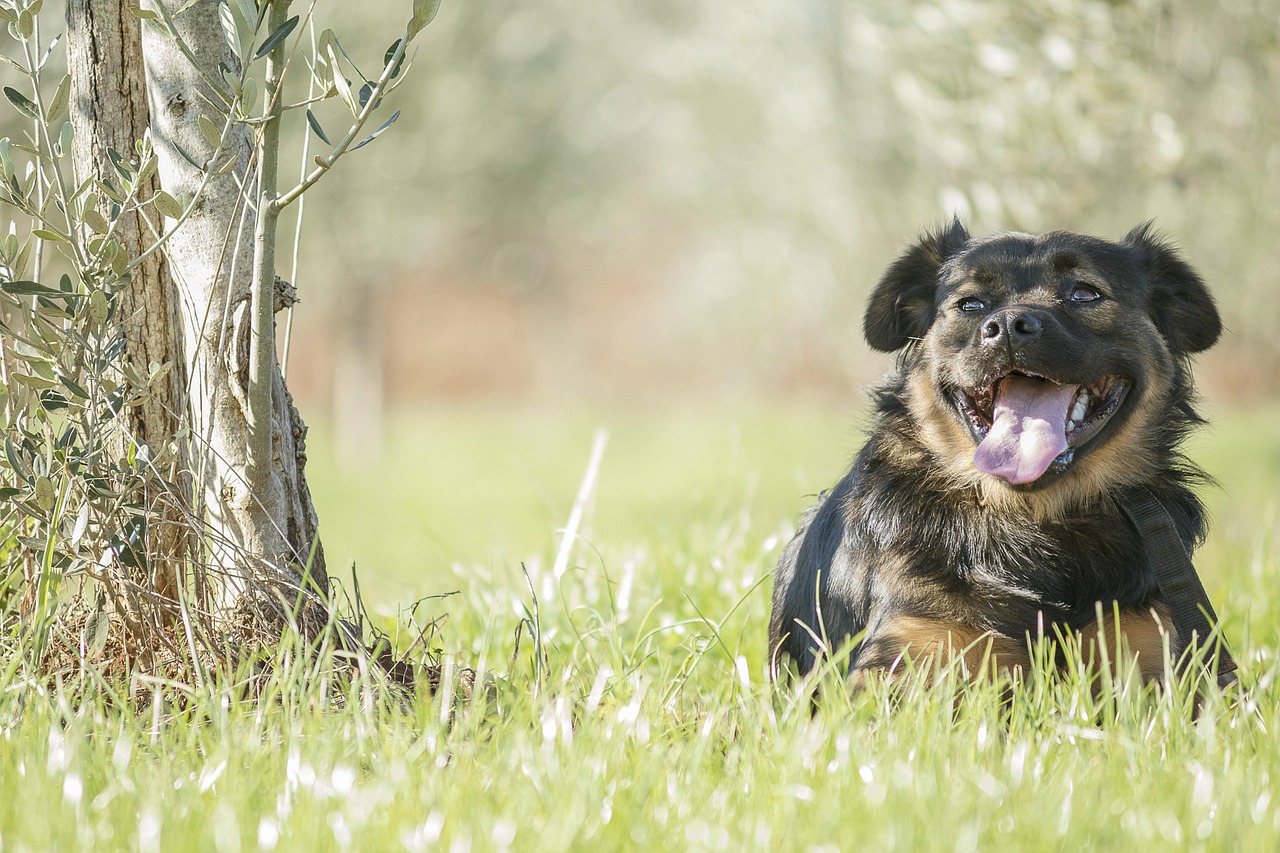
(992, 564)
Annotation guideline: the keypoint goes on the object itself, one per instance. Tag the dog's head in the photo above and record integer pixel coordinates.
(1039, 367)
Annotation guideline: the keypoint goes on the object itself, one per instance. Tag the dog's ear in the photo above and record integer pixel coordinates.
(901, 306)
(1179, 302)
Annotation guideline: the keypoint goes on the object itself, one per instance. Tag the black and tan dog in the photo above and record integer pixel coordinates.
(1038, 377)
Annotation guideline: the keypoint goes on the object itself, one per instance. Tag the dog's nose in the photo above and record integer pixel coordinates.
(1016, 326)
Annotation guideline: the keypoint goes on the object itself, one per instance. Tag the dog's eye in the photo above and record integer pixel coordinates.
(970, 304)
(1085, 294)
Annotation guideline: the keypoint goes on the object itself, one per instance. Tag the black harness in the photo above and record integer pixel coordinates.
(1179, 584)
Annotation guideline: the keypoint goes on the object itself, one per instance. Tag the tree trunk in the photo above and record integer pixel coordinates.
(261, 521)
(109, 110)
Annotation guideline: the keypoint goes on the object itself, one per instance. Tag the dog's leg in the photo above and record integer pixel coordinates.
(932, 644)
(1139, 636)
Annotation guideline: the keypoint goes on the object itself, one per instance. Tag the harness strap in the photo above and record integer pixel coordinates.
(1176, 576)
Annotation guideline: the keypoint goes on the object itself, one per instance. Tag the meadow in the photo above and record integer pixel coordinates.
(633, 711)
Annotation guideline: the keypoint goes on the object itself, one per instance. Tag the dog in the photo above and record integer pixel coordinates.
(1038, 378)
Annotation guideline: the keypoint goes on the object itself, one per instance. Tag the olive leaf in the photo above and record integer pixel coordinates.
(423, 13)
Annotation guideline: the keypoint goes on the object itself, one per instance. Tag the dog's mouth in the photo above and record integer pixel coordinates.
(1025, 425)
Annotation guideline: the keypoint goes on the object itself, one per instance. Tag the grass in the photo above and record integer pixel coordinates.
(648, 723)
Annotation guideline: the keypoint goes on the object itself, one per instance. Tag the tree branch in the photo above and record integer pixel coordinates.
(262, 349)
(324, 164)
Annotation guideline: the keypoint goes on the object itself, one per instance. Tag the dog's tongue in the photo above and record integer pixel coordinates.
(1028, 429)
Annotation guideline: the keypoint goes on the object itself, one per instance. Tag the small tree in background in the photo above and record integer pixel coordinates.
(153, 462)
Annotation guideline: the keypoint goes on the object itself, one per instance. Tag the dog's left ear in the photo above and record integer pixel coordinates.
(901, 306)
(1179, 302)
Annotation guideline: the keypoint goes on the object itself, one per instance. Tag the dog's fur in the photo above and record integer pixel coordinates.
(916, 553)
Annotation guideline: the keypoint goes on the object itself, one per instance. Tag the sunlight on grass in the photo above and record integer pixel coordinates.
(492, 486)
(640, 716)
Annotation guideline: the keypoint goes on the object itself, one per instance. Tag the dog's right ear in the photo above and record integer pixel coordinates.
(1180, 302)
(901, 306)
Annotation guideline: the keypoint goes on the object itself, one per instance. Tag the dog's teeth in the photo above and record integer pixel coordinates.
(1071, 425)
(1082, 405)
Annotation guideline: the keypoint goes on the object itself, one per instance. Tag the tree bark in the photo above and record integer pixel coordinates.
(109, 110)
(262, 525)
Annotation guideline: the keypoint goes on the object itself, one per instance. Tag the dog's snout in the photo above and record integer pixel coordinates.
(1012, 325)
(1026, 326)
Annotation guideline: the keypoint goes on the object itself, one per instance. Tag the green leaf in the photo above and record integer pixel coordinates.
(21, 102)
(324, 69)
(52, 401)
(280, 34)
(145, 14)
(97, 630)
(148, 168)
(15, 462)
(389, 55)
(20, 263)
(158, 372)
(28, 288)
(120, 263)
(43, 369)
(423, 13)
(232, 26)
(167, 205)
(45, 494)
(98, 308)
(48, 52)
(315, 125)
(110, 192)
(347, 56)
(61, 95)
(53, 236)
(96, 221)
(209, 131)
(46, 307)
(340, 81)
(75, 388)
(65, 138)
(254, 12)
(386, 124)
(123, 167)
(38, 382)
(249, 95)
(185, 156)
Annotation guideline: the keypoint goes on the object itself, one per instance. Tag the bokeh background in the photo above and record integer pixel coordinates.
(663, 218)
(652, 200)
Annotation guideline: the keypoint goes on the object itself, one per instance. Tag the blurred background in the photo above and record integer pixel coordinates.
(661, 199)
(663, 218)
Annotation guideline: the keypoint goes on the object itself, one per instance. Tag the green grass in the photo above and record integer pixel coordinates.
(651, 725)
(479, 489)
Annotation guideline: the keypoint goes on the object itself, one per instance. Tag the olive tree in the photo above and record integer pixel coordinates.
(154, 465)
